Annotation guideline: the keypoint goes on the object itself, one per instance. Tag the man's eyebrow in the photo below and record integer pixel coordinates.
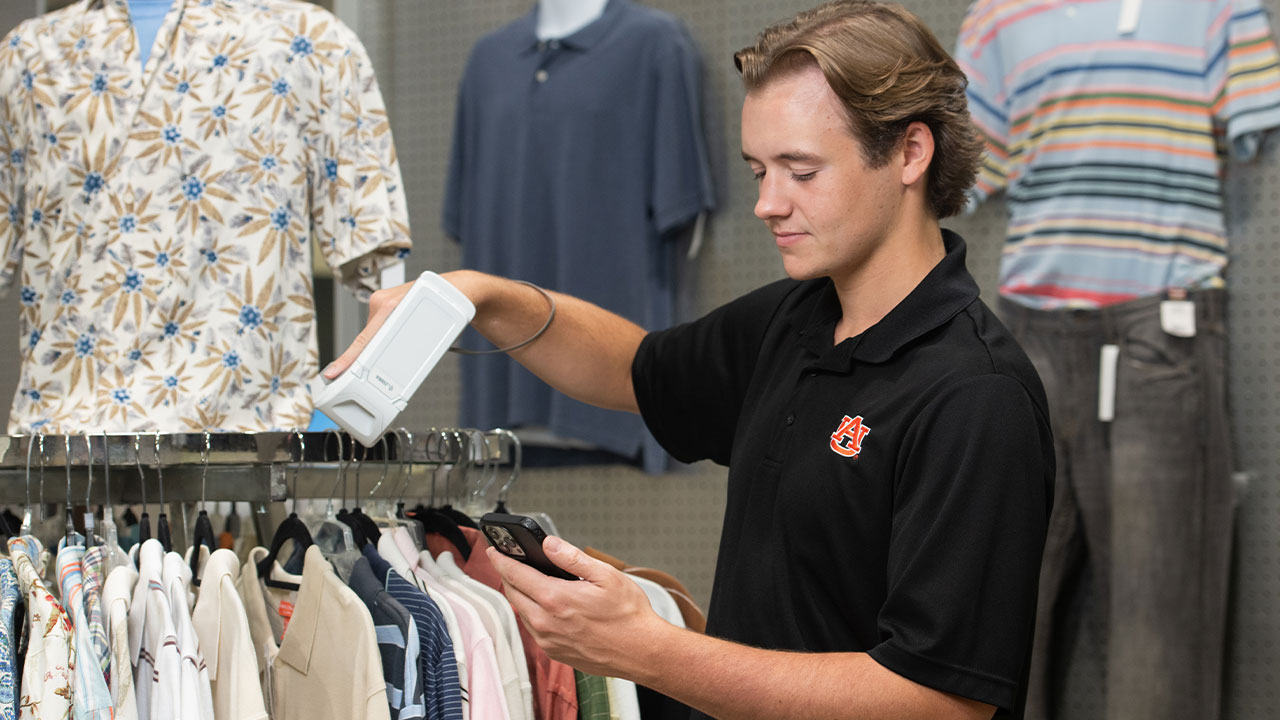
(797, 156)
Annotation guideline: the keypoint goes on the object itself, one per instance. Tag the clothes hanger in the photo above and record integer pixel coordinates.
(25, 528)
(162, 520)
(398, 519)
(291, 529)
(329, 526)
(90, 521)
(115, 557)
(203, 533)
(144, 522)
(367, 529)
(462, 463)
(544, 520)
(433, 519)
(347, 516)
(72, 537)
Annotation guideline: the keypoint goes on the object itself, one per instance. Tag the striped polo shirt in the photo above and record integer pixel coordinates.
(1108, 135)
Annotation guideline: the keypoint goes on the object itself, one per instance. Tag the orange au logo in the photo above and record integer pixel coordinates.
(847, 439)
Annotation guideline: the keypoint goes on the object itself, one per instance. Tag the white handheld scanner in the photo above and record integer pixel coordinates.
(377, 387)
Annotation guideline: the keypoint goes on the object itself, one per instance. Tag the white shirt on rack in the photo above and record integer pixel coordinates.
(222, 626)
(153, 640)
(117, 593)
(195, 701)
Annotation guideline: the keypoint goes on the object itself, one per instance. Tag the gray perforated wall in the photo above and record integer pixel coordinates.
(673, 521)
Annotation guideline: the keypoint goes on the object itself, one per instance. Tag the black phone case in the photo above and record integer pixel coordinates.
(528, 535)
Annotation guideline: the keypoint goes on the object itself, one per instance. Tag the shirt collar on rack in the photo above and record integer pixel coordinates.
(300, 641)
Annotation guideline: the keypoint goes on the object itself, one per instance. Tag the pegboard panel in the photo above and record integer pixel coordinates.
(673, 521)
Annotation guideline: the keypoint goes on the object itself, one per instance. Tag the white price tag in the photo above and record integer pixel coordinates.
(1108, 359)
(1178, 318)
(1129, 12)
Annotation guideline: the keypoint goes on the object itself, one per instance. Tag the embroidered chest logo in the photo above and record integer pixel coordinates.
(846, 441)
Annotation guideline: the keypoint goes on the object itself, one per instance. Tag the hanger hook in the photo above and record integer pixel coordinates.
(159, 476)
(364, 452)
(106, 467)
(338, 477)
(302, 456)
(204, 470)
(407, 455)
(66, 449)
(386, 460)
(137, 459)
(42, 517)
(488, 466)
(515, 463)
(88, 493)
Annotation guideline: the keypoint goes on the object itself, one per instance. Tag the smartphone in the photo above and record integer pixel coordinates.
(520, 537)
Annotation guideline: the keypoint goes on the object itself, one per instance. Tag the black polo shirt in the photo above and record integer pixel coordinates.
(889, 494)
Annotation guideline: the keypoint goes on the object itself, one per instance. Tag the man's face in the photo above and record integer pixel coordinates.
(828, 211)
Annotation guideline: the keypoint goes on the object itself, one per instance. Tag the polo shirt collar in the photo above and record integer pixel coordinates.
(300, 641)
(206, 617)
(584, 39)
(941, 295)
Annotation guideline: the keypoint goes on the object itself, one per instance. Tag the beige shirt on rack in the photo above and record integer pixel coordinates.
(223, 628)
(117, 593)
(323, 663)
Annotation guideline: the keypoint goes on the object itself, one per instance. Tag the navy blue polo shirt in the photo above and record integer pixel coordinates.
(887, 494)
(572, 161)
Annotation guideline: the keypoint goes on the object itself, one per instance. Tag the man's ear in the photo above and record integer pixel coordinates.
(917, 152)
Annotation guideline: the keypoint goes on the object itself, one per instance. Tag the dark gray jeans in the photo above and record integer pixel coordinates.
(1143, 504)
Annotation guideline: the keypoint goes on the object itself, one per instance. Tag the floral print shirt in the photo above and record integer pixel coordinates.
(158, 220)
(46, 672)
(10, 596)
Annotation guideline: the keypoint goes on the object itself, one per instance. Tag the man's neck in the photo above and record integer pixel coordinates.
(887, 278)
(561, 18)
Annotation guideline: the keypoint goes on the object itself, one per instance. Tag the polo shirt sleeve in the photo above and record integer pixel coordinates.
(358, 210)
(681, 182)
(978, 54)
(1244, 77)
(690, 381)
(969, 521)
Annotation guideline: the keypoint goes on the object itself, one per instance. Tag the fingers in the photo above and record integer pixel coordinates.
(381, 303)
(573, 560)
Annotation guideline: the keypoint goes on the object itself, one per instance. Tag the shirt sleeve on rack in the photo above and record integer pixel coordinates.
(969, 521)
(691, 380)
(1244, 77)
(978, 54)
(358, 207)
(681, 174)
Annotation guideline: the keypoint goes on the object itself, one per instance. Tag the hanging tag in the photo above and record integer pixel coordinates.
(1129, 12)
(1108, 359)
(1178, 318)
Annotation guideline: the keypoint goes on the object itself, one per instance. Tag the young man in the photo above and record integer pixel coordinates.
(890, 461)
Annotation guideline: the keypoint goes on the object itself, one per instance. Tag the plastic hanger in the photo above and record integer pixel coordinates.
(433, 519)
(144, 522)
(162, 520)
(72, 537)
(203, 533)
(344, 515)
(329, 526)
(90, 529)
(461, 464)
(25, 527)
(115, 557)
(291, 529)
(366, 530)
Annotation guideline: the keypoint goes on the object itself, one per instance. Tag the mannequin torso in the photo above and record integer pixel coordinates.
(561, 18)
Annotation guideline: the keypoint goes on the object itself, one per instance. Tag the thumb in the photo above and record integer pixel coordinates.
(573, 560)
(380, 306)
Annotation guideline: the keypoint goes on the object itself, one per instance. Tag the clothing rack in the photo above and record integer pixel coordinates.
(263, 469)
